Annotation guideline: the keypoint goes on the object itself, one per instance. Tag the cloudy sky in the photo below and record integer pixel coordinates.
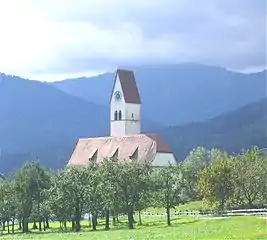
(54, 39)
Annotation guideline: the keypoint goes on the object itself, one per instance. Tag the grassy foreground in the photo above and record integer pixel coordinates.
(245, 228)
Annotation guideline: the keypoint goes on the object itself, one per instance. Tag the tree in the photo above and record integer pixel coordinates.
(94, 192)
(111, 193)
(168, 185)
(132, 180)
(69, 190)
(28, 182)
(198, 159)
(215, 182)
(250, 176)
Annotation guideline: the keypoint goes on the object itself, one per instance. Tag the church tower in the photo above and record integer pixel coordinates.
(125, 105)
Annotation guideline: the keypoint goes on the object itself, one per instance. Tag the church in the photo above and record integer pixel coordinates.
(126, 142)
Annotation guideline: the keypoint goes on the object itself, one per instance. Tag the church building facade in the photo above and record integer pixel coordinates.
(125, 142)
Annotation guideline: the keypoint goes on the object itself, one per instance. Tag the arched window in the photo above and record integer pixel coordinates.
(120, 115)
(116, 115)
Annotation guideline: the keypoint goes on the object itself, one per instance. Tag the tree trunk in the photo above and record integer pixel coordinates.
(94, 221)
(4, 226)
(107, 220)
(25, 227)
(168, 216)
(65, 224)
(114, 220)
(140, 219)
(222, 205)
(250, 203)
(13, 225)
(77, 220)
(40, 225)
(47, 222)
(8, 230)
(72, 225)
(130, 218)
(20, 227)
(34, 226)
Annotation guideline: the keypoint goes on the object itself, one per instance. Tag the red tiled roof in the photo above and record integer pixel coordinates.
(148, 146)
(162, 147)
(129, 87)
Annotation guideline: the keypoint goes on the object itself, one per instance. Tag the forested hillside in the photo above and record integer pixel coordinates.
(230, 132)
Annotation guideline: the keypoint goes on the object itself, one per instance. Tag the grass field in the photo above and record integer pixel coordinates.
(242, 228)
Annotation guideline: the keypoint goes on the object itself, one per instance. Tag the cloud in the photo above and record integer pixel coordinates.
(74, 37)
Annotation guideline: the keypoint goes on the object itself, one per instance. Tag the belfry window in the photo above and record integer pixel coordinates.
(120, 115)
(115, 115)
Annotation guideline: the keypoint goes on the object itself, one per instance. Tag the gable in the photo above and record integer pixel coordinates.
(117, 87)
(128, 86)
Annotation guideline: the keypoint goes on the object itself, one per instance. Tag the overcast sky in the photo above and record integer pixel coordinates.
(54, 39)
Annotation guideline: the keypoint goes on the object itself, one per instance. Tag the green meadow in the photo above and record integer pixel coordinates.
(154, 227)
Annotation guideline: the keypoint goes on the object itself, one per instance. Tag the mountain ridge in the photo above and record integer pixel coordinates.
(215, 89)
(41, 121)
(231, 131)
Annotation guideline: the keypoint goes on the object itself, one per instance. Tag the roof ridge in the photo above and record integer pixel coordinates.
(111, 137)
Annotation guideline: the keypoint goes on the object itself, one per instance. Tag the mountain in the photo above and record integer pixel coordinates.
(38, 120)
(43, 120)
(231, 132)
(177, 94)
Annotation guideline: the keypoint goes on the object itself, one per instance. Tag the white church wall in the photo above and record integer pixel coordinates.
(117, 105)
(117, 127)
(133, 109)
(132, 125)
(163, 159)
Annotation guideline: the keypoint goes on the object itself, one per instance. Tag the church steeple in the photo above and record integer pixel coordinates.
(125, 105)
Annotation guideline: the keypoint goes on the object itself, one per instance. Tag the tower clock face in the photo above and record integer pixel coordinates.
(117, 95)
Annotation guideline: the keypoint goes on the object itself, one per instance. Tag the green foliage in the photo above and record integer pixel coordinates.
(168, 187)
(28, 183)
(215, 182)
(250, 177)
(197, 160)
(113, 190)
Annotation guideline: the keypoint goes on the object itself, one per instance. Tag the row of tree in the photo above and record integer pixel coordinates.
(36, 195)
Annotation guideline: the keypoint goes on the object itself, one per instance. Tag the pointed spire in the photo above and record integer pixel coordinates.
(128, 85)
